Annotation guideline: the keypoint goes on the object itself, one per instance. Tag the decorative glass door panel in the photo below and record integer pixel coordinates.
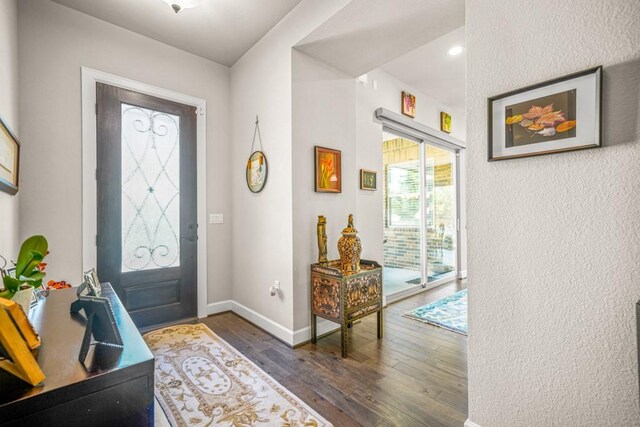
(150, 189)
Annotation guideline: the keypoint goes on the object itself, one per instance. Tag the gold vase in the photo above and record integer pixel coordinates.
(350, 248)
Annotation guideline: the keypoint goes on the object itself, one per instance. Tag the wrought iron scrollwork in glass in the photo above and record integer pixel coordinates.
(150, 189)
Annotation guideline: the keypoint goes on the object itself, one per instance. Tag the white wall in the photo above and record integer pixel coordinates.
(54, 43)
(324, 114)
(554, 241)
(9, 225)
(262, 232)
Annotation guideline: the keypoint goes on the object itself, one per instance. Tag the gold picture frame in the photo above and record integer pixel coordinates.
(9, 160)
(445, 122)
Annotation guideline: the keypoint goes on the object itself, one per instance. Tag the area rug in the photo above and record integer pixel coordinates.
(201, 380)
(448, 313)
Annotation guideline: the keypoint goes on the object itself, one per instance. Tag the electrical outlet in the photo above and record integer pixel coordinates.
(275, 289)
(216, 218)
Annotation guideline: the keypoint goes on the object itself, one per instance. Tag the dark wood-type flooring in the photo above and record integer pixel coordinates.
(415, 376)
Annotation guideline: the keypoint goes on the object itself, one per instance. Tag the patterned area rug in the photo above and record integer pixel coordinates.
(202, 381)
(448, 313)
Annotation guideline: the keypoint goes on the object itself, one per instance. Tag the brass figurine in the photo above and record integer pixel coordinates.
(322, 240)
(350, 249)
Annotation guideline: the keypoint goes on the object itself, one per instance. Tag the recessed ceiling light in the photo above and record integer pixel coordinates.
(178, 5)
(456, 50)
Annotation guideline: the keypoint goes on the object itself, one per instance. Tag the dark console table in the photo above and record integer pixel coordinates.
(116, 387)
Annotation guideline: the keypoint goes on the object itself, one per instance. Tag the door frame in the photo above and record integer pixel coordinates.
(89, 164)
(410, 129)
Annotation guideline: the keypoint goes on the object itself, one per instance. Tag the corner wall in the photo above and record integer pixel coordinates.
(55, 42)
(554, 241)
(9, 224)
(262, 227)
(324, 114)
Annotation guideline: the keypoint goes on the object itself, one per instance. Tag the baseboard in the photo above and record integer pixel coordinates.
(286, 335)
(219, 307)
(274, 328)
(462, 274)
(303, 335)
(470, 423)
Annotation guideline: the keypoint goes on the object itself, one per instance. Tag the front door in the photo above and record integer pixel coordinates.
(147, 230)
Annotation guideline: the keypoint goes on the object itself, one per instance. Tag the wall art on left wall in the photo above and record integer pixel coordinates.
(9, 160)
(328, 170)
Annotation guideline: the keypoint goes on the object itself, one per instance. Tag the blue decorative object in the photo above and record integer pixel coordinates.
(448, 313)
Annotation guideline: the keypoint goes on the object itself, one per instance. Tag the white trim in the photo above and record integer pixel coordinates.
(462, 274)
(398, 123)
(89, 162)
(283, 333)
(303, 335)
(274, 328)
(470, 423)
(219, 307)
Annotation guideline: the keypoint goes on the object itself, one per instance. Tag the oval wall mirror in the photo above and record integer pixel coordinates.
(257, 171)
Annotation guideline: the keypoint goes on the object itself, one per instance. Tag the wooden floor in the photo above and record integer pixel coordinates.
(415, 376)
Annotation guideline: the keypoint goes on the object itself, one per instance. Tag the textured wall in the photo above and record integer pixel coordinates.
(554, 241)
(55, 42)
(9, 113)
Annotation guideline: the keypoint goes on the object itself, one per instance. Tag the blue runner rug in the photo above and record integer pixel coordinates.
(448, 313)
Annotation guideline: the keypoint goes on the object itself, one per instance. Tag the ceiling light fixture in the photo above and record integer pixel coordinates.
(456, 50)
(178, 5)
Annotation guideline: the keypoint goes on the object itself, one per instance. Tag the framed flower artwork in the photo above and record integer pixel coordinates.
(408, 104)
(564, 114)
(328, 170)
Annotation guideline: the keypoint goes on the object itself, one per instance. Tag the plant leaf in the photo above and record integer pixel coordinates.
(11, 284)
(32, 246)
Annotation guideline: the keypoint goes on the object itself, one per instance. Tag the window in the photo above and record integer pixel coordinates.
(403, 194)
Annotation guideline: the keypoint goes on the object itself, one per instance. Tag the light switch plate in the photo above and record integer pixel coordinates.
(216, 218)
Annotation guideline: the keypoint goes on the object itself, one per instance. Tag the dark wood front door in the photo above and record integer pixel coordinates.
(147, 230)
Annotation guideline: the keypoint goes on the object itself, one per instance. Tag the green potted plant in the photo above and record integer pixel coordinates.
(28, 274)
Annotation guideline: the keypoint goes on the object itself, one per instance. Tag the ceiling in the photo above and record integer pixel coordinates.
(433, 72)
(219, 30)
(366, 34)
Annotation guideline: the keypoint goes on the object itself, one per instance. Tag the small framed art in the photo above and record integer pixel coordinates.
(9, 160)
(445, 122)
(328, 170)
(408, 104)
(368, 180)
(563, 114)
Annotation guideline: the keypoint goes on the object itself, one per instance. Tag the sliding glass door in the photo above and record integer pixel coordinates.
(420, 215)
(440, 213)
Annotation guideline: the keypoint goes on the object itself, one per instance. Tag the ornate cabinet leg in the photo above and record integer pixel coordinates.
(314, 337)
(344, 338)
(380, 323)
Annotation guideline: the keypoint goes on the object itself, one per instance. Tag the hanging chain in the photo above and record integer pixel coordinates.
(256, 131)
